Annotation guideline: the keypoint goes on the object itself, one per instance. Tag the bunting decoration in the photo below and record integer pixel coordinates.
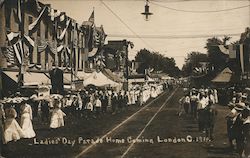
(18, 49)
(29, 40)
(10, 55)
(43, 44)
(61, 37)
(12, 35)
(223, 49)
(37, 21)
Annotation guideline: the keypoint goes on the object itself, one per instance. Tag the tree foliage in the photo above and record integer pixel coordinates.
(156, 61)
(193, 60)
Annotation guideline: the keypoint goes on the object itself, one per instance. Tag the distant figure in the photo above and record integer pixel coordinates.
(26, 123)
(57, 117)
(186, 103)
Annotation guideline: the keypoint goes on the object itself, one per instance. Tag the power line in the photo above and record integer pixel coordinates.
(199, 11)
(135, 34)
(173, 36)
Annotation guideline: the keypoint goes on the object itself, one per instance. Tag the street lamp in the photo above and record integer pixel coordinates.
(146, 11)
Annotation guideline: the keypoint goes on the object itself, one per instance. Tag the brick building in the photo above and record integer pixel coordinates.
(49, 39)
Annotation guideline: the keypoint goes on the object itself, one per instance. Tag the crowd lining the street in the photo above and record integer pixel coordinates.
(200, 104)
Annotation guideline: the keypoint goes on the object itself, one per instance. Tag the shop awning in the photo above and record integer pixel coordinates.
(33, 78)
(98, 79)
(29, 78)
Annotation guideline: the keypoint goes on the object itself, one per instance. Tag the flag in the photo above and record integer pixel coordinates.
(232, 51)
(18, 49)
(223, 49)
(37, 21)
(92, 17)
(64, 31)
(11, 36)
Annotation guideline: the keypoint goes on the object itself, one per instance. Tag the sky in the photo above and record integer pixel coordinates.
(176, 27)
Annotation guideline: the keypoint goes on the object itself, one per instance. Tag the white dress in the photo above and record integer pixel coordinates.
(57, 118)
(12, 130)
(26, 123)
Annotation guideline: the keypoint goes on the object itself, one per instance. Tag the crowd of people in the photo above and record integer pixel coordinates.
(238, 123)
(50, 111)
(199, 103)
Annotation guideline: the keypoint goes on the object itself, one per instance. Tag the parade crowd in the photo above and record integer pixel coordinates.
(238, 123)
(50, 111)
(200, 104)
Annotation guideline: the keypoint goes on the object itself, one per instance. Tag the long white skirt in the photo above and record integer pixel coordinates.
(12, 131)
(27, 126)
(56, 121)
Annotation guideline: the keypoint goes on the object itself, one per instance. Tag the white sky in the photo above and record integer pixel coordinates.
(164, 22)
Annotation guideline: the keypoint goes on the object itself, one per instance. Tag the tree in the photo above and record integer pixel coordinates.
(156, 61)
(217, 59)
(193, 60)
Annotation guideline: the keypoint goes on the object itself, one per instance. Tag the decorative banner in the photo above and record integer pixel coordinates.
(18, 48)
(10, 55)
(37, 21)
(11, 36)
(64, 31)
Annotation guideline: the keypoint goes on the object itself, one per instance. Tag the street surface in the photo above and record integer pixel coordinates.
(153, 130)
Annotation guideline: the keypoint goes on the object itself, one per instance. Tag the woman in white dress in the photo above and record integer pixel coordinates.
(57, 116)
(26, 123)
(12, 130)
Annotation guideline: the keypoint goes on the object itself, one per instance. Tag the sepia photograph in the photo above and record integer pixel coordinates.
(124, 78)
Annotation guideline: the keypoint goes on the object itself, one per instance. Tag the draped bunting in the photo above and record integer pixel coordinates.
(64, 31)
(43, 44)
(35, 66)
(11, 36)
(223, 49)
(10, 55)
(18, 49)
(37, 21)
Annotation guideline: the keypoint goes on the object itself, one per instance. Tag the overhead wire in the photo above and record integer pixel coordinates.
(126, 25)
(198, 11)
(174, 36)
